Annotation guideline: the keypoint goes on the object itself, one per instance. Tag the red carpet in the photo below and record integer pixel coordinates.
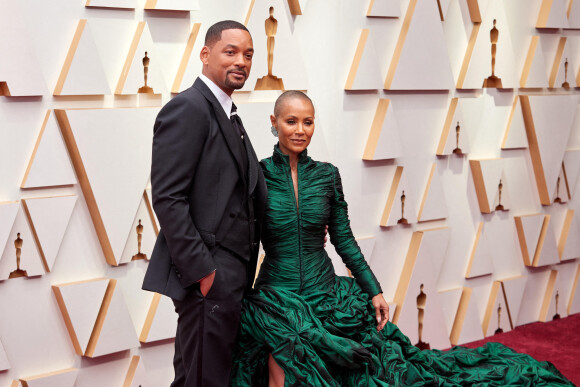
(556, 341)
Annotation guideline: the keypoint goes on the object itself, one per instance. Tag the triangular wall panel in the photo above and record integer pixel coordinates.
(114, 329)
(541, 115)
(479, 262)
(82, 72)
(383, 141)
(454, 137)
(419, 63)
(20, 69)
(96, 317)
(49, 164)
(288, 61)
(572, 169)
(30, 259)
(515, 132)
(487, 174)
(8, 211)
(433, 205)
(534, 71)
(560, 193)
(568, 241)
(419, 268)
(573, 305)
(477, 65)
(61, 378)
(364, 73)
(466, 324)
(549, 296)
(80, 303)
(149, 203)
(513, 290)
(161, 320)
(172, 5)
(123, 4)
(49, 218)
(562, 289)
(400, 202)
(537, 287)
(148, 235)
(383, 8)
(187, 71)
(128, 160)
(132, 77)
(136, 374)
(449, 302)
(4, 363)
(574, 15)
(537, 240)
(562, 69)
(553, 14)
(496, 313)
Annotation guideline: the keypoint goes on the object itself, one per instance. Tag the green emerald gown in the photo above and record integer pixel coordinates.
(321, 328)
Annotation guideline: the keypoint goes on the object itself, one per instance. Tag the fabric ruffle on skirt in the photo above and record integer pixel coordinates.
(329, 338)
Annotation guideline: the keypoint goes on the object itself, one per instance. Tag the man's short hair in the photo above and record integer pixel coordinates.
(214, 33)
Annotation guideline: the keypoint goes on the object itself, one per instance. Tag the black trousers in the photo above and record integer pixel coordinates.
(207, 326)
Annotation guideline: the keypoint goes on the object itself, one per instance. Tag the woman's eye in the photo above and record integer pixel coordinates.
(291, 122)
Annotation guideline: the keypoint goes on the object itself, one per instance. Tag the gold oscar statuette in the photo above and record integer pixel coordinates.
(270, 81)
(457, 150)
(139, 254)
(421, 302)
(557, 315)
(493, 80)
(558, 198)
(499, 206)
(498, 330)
(403, 220)
(566, 85)
(18, 246)
(145, 89)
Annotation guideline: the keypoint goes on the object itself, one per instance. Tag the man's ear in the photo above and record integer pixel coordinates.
(204, 55)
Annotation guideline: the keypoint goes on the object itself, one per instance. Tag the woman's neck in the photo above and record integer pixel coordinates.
(293, 160)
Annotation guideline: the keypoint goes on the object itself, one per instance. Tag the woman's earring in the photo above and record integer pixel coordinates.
(274, 131)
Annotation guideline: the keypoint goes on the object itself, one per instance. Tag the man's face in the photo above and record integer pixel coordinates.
(228, 62)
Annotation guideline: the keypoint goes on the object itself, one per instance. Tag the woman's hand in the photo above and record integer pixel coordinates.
(382, 309)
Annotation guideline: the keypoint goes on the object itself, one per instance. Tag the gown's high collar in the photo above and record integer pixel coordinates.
(281, 158)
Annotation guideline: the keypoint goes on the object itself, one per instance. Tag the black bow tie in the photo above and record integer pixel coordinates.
(237, 121)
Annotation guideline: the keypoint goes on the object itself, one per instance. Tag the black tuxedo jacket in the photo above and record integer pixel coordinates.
(198, 189)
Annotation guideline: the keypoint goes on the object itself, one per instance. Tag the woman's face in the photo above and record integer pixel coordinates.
(295, 125)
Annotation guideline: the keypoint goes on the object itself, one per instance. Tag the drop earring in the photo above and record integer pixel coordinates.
(274, 131)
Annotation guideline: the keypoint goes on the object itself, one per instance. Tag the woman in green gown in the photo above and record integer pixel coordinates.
(305, 326)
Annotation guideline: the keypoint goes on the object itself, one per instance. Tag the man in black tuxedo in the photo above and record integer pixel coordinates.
(209, 195)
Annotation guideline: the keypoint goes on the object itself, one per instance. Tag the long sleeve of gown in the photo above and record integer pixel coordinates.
(346, 246)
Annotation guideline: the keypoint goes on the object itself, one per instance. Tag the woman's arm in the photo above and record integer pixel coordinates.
(343, 240)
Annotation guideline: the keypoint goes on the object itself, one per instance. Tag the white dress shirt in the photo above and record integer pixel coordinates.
(224, 99)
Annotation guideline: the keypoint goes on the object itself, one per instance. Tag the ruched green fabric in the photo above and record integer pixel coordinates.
(321, 328)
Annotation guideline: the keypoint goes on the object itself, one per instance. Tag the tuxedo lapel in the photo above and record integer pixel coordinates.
(232, 139)
(252, 164)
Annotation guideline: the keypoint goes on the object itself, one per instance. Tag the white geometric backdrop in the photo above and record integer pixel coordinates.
(397, 86)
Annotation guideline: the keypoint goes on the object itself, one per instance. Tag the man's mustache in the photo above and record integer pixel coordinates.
(238, 71)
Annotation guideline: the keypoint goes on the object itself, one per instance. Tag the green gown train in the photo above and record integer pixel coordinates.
(321, 328)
